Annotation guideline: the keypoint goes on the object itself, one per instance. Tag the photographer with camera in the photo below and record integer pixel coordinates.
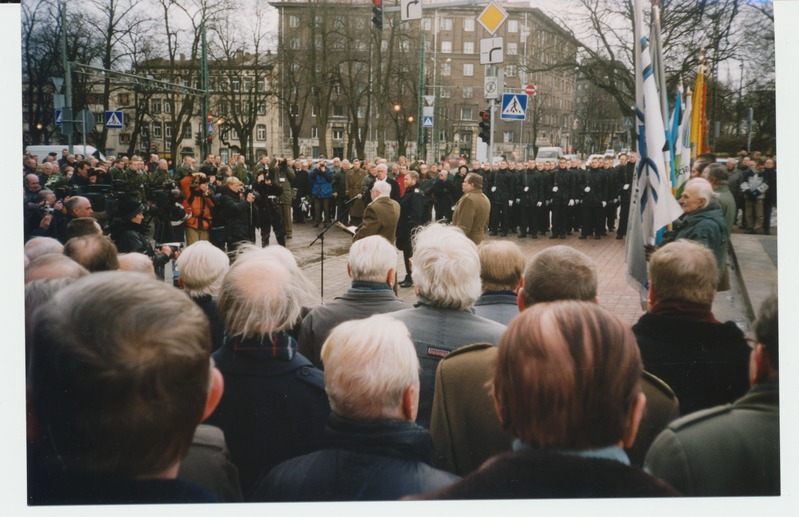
(237, 206)
(84, 175)
(199, 206)
(269, 195)
(128, 234)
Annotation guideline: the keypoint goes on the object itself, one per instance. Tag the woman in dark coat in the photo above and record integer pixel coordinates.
(127, 233)
(411, 209)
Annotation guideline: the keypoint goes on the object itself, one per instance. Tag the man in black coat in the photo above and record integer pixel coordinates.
(501, 189)
(239, 212)
(411, 212)
(274, 407)
(529, 193)
(703, 360)
(374, 450)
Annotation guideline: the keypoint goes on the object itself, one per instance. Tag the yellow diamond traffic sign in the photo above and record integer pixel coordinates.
(492, 17)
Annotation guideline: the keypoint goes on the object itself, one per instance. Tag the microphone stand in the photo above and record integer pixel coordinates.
(321, 238)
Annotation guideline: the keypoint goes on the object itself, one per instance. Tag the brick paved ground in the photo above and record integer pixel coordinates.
(614, 292)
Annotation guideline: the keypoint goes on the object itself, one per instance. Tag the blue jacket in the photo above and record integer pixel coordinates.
(363, 461)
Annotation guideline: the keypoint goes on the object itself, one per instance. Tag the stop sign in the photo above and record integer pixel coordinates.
(529, 89)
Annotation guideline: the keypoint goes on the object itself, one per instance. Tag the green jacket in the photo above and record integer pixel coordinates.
(730, 450)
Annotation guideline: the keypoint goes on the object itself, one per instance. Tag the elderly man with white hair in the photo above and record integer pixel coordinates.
(381, 215)
(274, 406)
(202, 268)
(372, 266)
(446, 274)
(375, 450)
(702, 221)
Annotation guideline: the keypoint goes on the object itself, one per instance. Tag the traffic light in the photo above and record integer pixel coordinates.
(377, 14)
(485, 126)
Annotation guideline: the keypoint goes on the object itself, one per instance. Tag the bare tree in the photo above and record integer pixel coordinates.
(239, 55)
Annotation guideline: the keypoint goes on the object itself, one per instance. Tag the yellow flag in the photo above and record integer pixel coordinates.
(698, 116)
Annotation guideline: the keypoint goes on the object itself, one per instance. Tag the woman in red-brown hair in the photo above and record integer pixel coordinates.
(567, 386)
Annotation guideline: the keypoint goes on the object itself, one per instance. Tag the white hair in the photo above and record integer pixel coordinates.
(306, 290)
(202, 267)
(369, 364)
(38, 246)
(371, 258)
(446, 267)
(263, 292)
(704, 190)
(382, 187)
(258, 298)
(136, 263)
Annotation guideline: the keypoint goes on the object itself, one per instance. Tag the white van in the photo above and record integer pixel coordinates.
(43, 150)
(549, 154)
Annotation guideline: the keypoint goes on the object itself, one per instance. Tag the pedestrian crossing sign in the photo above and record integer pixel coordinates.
(514, 106)
(427, 122)
(113, 119)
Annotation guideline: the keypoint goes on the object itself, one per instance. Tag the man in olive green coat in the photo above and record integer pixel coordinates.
(473, 209)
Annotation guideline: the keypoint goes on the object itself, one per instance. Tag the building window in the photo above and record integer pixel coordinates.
(467, 113)
(167, 130)
(338, 133)
(442, 136)
(234, 134)
(248, 84)
(338, 22)
(361, 111)
(338, 110)
(294, 43)
(445, 93)
(145, 129)
(156, 130)
(507, 137)
(468, 69)
(295, 67)
(236, 85)
(294, 21)
(123, 99)
(317, 21)
(510, 71)
(260, 86)
(313, 110)
(427, 24)
(186, 130)
(468, 92)
(260, 132)
(468, 47)
(513, 49)
(167, 106)
(446, 69)
(155, 106)
(167, 146)
(445, 24)
(468, 24)
(314, 132)
(260, 109)
(513, 25)
(405, 46)
(294, 110)
(446, 47)
(124, 138)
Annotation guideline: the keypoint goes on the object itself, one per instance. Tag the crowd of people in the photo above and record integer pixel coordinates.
(506, 379)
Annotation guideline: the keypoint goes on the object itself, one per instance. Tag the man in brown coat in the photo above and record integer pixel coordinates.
(473, 208)
(381, 215)
(464, 424)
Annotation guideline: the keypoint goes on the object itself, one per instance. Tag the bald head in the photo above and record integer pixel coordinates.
(257, 298)
(53, 266)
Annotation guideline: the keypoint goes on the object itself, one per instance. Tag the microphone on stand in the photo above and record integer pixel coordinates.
(349, 202)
